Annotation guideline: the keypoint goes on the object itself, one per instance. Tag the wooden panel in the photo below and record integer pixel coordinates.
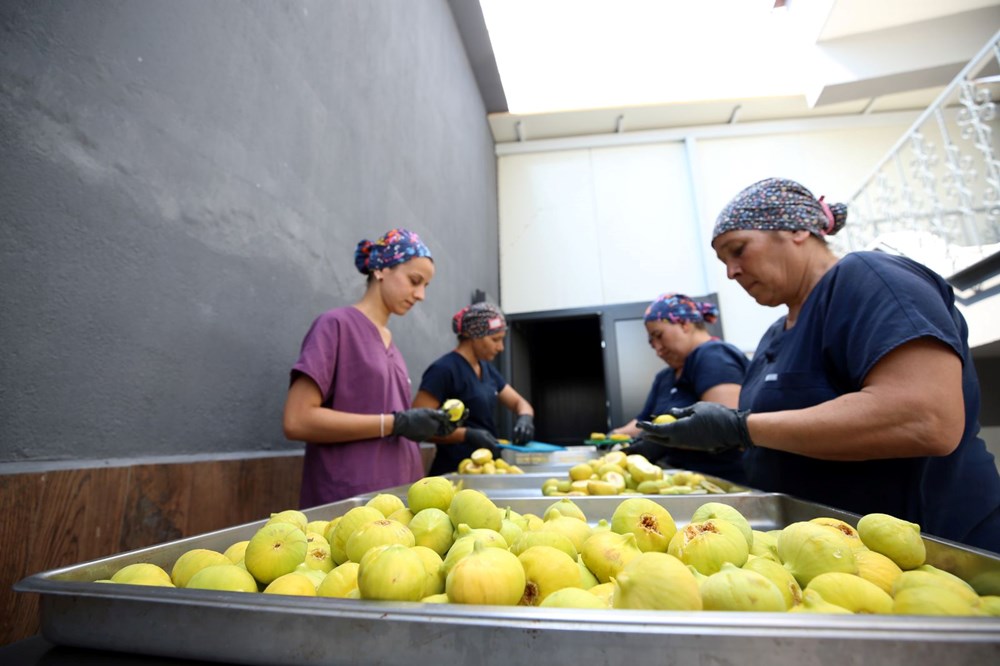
(19, 498)
(156, 505)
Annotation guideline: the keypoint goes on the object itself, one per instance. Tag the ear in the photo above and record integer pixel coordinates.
(800, 236)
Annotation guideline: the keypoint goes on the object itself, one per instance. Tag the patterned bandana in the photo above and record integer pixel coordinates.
(395, 247)
(478, 320)
(777, 203)
(678, 307)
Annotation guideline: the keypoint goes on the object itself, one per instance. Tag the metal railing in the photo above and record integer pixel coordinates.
(936, 194)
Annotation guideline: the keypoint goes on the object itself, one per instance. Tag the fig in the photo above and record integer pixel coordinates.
(318, 556)
(581, 472)
(709, 544)
(876, 568)
(430, 491)
(192, 561)
(598, 487)
(386, 504)
(807, 550)
(474, 509)
(292, 516)
(434, 575)
(540, 538)
(575, 530)
(510, 529)
(340, 581)
(780, 576)
(656, 581)
(573, 597)
(488, 537)
(931, 600)
(481, 456)
(435, 599)
(990, 604)
(735, 589)
(295, 584)
(711, 510)
(491, 576)
(844, 528)
(226, 577)
(331, 526)
(897, 539)
(605, 592)
(606, 553)
(933, 577)
(546, 569)
(402, 516)
(392, 573)
(143, 573)
(432, 528)
(587, 577)
(664, 418)
(454, 408)
(813, 602)
(652, 524)
(764, 545)
(377, 533)
(643, 470)
(564, 507)
(851, 592)
(463, 547)
(345, 527)
(236, 551)
(275, 550)
(318, 526)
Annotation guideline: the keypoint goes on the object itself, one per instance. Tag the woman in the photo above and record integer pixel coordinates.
(864, 396)
(701, 367)
(466, 374)
(350, 387)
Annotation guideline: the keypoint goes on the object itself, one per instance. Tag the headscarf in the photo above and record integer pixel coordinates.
(778, 203)
(678, 307)
(478, 320)
(395, 247)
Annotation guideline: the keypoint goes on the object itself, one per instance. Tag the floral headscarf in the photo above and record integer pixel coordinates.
(395, 247)
(676, 308)
(777, 203)
(478, 320)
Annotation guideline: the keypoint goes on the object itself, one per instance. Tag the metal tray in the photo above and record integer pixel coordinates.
(529, 485)
(565, 458)
(272, 629)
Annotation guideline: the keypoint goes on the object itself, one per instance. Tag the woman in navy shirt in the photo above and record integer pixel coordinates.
(864, 396)
(466, 374)
(701, 367)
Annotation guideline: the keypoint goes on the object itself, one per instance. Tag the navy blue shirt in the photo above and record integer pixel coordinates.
(709, 364)
(868, 304)
(451, 376)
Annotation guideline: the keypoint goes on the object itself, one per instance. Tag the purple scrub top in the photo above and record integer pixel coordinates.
(344, 354)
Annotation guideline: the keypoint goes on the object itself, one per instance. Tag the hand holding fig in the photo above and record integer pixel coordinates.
(422, 423)
(703, 426)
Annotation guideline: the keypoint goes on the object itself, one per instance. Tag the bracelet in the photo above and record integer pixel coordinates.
(381, 425)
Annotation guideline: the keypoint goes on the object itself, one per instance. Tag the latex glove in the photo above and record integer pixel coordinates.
(422, 423)
(524, 429)
(703, 426)
(482, 439)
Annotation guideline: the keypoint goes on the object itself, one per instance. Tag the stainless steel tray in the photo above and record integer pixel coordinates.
(271, 629)
(568, 457)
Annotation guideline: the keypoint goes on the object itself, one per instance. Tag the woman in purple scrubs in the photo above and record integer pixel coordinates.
(864, 397)
(350, 388)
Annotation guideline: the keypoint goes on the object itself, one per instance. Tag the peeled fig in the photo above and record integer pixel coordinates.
(710, 510)
(386, 503)
(813, 602)
(575, 530)
(652, 524)
(573, 597)
(564, 507)
(656, 581)
(554, 539)
(340, 581)
(377, 533)
(474, 509)
(709, 544)
(606, 553)
(807, 550)
(430, 491)
(735, 589)
(931, 600)
(877, 568)
(434, 573)
(643, 470)
(546, 570)
(396, 573)
(851, 592)
(897, 539)
(344, 528)
(432, 528)
(490, 576)
(780, 576)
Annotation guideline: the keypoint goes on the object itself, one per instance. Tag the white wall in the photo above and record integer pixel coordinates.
(595, 226)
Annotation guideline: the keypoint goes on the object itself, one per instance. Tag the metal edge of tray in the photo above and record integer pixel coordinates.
(242, 627)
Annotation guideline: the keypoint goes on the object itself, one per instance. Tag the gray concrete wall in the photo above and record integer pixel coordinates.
(182, 187)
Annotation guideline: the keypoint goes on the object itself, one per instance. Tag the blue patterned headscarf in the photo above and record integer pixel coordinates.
(777, 203)
(678, 307)
(395, 247)
(478, 320)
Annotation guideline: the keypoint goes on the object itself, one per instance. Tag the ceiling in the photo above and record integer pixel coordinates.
(553, 68)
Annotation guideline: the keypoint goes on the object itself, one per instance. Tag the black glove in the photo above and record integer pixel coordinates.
(651, 451)
(524, 429)
(422, 423)
(703, 426)
(482, 439)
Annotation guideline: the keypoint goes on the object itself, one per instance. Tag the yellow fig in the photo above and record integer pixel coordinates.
(607, 553)
(937, 579)
(605, 592)
(481, 456)
(435, 599)
(344, 528)
(652, 524)
(475, 509)
(564, 507)
(575, 530)
(853, 539)
(709, 544)
(546, 570)
(490, 538)
(294, 584)
(597, 487)
(780, 576)
(656, 581)
(851, 592)
(486, 576)
(990, 604)
(377, 533)
(931, 600)
(236, 551)
(395, 573)
(293, 516)
(143, 573)
(432, 528)
(664, 418)
(454, 407)
(807, 550)
(580, 472)
(764, 545)
(540, 538)
(340, 581)
(430, 491)
(192, 561)
(710, 510)
(225, 577)
(813, 602)
(897, 539)
(434, 572)
(587, 577)
(877, 568)
(574, 597)
(735, 589)
(386, 504)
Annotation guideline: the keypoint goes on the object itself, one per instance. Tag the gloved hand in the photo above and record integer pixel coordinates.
(482, 439)
(703, 426)
(422, 423)
(524, 429)
(649, 450)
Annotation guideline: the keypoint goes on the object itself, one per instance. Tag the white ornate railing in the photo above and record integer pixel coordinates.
(936, 195)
